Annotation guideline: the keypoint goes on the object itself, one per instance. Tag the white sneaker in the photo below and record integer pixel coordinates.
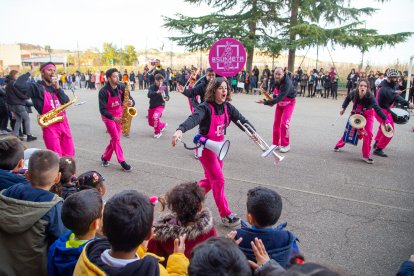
(165, 127)
(284, 149)
(156, 136)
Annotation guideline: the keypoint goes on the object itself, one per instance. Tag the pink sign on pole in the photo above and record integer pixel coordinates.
(227, 57)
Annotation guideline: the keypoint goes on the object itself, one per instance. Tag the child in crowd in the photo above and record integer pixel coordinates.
(158, 94)
(66, 186)
(11, 161)
(264, 207)
(127, 222)
(188, 216)
(91, 180)
(31, 218)
(218, 256)
(82, 215)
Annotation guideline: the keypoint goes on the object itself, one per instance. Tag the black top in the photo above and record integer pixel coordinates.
(103, 98)
(199, 89)
(202, 116)
(285, 88)
(155, 98)
(35, 91)
(14, 96)
(367, 103)
(387, 96)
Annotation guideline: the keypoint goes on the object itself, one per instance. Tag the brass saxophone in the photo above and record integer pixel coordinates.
(128, 112)
(52, 117)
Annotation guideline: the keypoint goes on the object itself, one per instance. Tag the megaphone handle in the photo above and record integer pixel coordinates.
(189, 148)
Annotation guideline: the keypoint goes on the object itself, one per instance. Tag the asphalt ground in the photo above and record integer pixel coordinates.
(347, 214)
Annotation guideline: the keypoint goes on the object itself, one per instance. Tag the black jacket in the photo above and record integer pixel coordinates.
(35, 91)
(155, 98)
(3, 100)
(286, 89)
(103, 98)
(13, 95)
(387, 96)
(198, 90)
(367, 103)
(202, 117)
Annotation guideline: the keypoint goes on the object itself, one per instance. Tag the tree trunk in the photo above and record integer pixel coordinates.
(249, 61)
(292, 36)
(252, 25)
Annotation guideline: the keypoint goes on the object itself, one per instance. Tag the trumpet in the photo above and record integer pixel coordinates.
(267, 150)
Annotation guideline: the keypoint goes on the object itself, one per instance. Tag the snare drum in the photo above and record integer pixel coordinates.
(400, 116)
(350, 135)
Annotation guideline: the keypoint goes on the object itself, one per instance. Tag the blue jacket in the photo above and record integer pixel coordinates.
(280, 244)
(406, 269)
(8, 179)
(62, 260)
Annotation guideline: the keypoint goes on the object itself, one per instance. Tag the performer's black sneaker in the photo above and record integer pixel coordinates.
(380, 152)
(31, 138)
(231, 221)
(375, 145)
(336, 149)
(125, 166)
(104, 162)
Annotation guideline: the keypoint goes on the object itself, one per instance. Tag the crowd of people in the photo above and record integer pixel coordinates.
(55, 222)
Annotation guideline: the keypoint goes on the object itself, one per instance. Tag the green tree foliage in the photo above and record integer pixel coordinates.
(129, 55)
(110, 53)
(278, 25)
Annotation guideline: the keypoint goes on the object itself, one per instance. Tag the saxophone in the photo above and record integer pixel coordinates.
(52, 116)
(128, 112)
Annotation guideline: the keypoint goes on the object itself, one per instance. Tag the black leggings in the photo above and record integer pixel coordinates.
(310, 90)
(4, 118)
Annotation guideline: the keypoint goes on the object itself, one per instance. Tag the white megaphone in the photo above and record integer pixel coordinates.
(219, 148)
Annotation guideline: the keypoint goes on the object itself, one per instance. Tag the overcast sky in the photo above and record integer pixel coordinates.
(63, 24)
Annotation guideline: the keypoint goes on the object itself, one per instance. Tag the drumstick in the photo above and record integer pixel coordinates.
(336, 120)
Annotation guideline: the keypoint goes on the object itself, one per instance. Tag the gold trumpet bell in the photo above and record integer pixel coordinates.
(357, 121)
(387, 133)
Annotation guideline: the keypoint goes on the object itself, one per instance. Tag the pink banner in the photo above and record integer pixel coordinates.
(227, 57)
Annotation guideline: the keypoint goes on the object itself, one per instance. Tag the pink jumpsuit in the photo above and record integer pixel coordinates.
(382, 140)
(57, 137)
(154, 118)
(114, 129)
(213, 173)
(281, 125)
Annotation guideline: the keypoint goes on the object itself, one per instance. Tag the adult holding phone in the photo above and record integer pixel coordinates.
(157, 93)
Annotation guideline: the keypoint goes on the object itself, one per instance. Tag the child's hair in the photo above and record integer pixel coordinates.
(43, 167)
(11, 152)
(90, 180)
(265, 205)
(185, 200)
(67, 169)
(80, 209)
(127, 220)
(159, 77)
(218, 256)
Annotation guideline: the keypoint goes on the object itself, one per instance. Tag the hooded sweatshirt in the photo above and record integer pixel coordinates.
(29, 222)
(168, 228)
(90, 263)
(8, 179)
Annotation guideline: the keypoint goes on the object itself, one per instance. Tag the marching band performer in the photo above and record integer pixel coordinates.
(285, 98)
(364, 103)
(111, 98)
(198, 90)
(387, 97)
(157, 69)
(46, 96)
(213, 117)
(157, 94)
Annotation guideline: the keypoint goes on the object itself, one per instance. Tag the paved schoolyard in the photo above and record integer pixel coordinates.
(346, 213)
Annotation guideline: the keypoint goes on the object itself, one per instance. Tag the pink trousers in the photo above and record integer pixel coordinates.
(367, 137)
(58, 138)
(154, 118)
(380, 138)
(114, 130)
(283, 114)
(214, 180)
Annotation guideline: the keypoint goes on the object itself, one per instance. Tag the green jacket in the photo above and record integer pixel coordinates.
(23, 238)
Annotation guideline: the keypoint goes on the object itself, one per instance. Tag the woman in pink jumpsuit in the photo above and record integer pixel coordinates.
(364, 103)
(213, 117)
